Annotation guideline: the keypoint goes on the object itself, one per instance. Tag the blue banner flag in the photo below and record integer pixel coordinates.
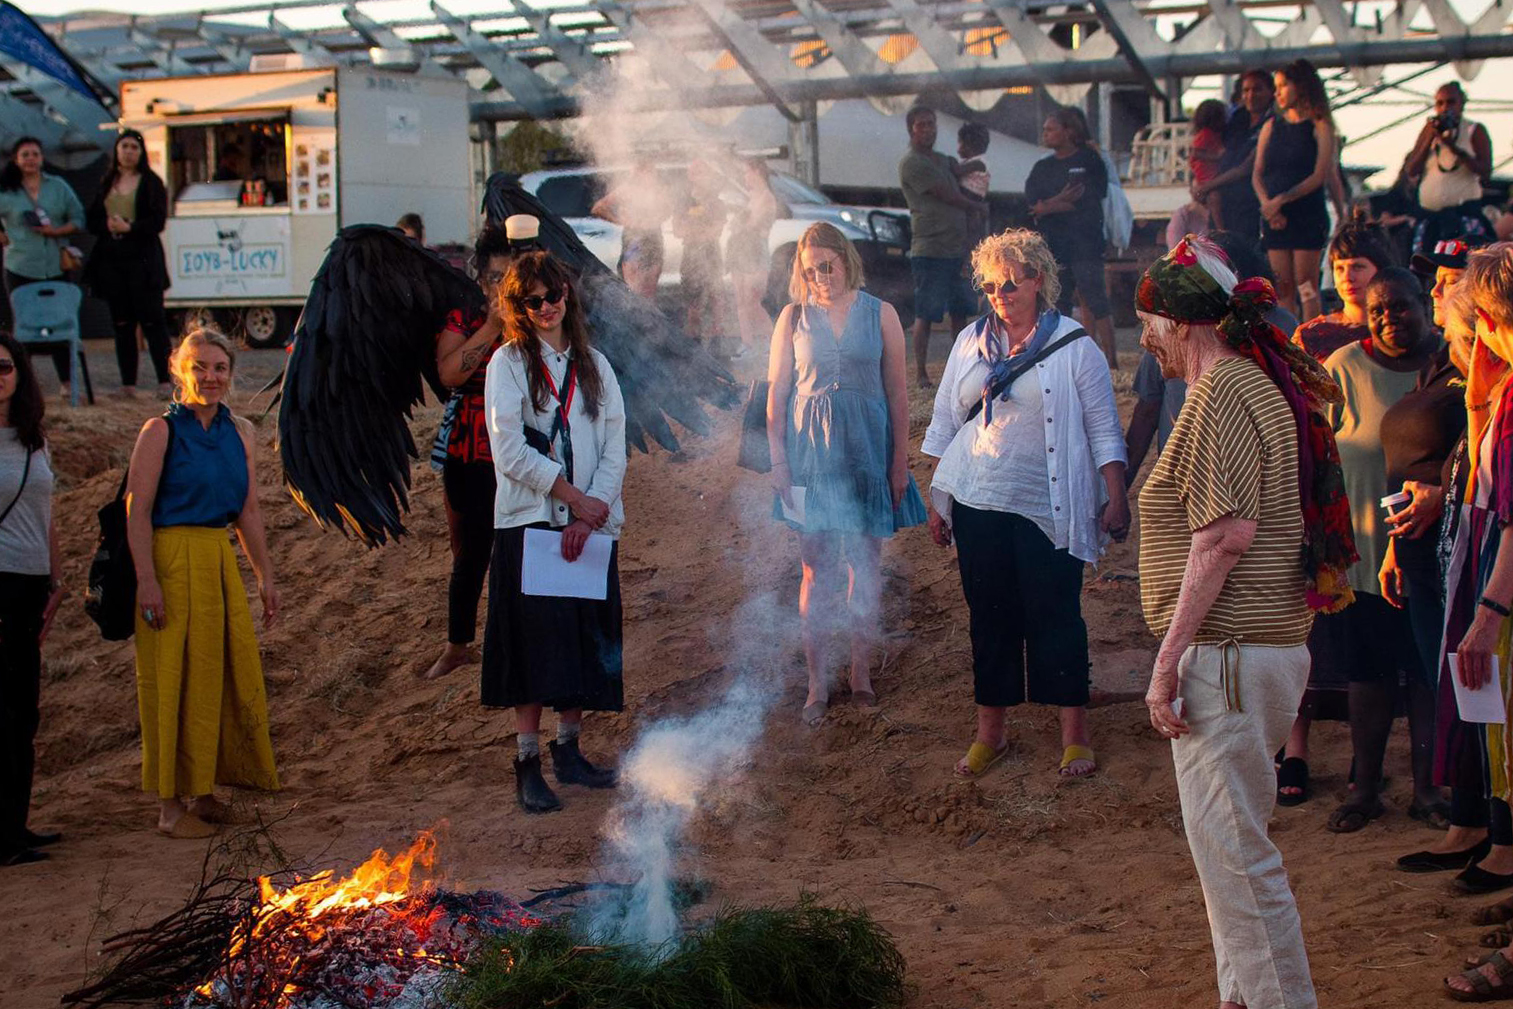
(24, 40)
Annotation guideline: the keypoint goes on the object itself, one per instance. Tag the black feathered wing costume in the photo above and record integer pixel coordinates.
(663, 372)
(366, 342)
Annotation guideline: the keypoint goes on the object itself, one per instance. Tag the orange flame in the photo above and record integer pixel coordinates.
(379, 880)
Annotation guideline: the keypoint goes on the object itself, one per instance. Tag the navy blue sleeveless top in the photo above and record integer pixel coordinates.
(204, 480)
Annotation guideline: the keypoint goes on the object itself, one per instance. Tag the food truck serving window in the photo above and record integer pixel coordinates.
(250, 148)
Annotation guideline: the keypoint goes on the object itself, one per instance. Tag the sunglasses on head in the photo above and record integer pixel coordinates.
(992, 287)
(533, 302)
(1451, 247)
(824, 269)
(7, 366)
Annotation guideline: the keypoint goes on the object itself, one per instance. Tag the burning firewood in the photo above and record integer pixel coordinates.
(371, 939)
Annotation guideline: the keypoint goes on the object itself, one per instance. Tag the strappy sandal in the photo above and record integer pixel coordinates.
(1483, 990)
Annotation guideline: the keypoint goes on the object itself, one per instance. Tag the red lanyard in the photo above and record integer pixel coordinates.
(572, 386)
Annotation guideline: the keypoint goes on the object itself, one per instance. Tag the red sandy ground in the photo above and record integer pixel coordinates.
(1021, 889)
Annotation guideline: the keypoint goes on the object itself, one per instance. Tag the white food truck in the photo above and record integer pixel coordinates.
(263, 168)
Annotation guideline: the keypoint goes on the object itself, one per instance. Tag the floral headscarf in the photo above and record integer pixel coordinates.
(1177, 287)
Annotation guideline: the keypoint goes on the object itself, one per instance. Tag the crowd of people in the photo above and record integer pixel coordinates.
(1325, 531)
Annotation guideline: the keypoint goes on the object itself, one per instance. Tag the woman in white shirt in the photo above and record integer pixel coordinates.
(557, 431)
(1030, 482)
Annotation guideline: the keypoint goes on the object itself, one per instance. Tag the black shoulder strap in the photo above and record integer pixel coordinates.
(121, 490)
(26, 471)
(1002, 386)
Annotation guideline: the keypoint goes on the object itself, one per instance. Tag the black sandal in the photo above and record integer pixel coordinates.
(1353, 816)
(1433, 814)
(1292, 774)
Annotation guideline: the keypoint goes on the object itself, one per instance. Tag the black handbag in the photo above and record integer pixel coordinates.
(755, 453)
(111, 600)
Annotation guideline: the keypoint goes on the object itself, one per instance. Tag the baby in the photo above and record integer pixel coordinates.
(971, 172)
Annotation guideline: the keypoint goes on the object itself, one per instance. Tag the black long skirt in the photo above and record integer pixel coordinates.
(562, 653)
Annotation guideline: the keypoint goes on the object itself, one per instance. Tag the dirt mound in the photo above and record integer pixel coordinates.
(1020, 889)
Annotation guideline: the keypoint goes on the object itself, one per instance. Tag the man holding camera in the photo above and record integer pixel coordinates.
(1452, 158)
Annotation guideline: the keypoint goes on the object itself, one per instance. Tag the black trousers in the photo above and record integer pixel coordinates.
(1025, 600)
(135, 300)
(22, 600)
(59, 354)
(469, 488)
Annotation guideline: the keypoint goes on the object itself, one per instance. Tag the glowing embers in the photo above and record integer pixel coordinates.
(383, 937)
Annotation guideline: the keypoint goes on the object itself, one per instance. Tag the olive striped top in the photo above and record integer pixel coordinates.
(1234, 452)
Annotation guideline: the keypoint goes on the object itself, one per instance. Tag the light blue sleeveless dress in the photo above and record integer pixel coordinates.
(839, 435)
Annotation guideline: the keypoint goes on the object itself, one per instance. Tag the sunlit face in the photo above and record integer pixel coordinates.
(28, 158)
(1351, 278)
(1052, 133)
(1396, 318)
(204, 375)
(824, 271)
(1287, 94)
(923, 130)
(1257, 94)
(128, 153)
(493, 275)
(1012, 290)
(8, 376)
(546, 314)
(1158, 335)
(1445, 281)
(1448, 99)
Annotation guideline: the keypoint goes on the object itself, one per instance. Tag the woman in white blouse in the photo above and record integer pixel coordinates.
(1030, 483)
(557, 430)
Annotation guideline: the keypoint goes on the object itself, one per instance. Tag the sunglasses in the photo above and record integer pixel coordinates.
(533, 302)
(7, 366)
(824, 269)
(991, 287)
(1451, 247)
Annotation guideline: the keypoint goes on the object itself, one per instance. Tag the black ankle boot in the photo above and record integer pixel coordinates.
(571, 767)
(535, 795)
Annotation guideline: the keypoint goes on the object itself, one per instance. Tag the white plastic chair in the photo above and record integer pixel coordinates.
(46, 314)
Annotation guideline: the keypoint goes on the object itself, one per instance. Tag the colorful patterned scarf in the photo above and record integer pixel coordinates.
(1177, 287)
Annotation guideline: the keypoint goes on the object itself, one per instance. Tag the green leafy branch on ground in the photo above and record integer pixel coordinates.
(805, 956)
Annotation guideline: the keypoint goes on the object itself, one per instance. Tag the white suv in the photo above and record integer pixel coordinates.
(881, 236)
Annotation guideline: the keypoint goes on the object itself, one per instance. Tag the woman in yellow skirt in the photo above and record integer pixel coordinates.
(200, 686)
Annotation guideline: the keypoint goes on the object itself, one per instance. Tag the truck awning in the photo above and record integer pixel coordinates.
(211, 118)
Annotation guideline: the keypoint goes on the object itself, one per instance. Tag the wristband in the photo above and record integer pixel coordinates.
(1495, 606)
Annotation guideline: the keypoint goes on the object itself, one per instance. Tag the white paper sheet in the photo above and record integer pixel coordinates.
(796, 513)
(1484, 706)
(543, 572)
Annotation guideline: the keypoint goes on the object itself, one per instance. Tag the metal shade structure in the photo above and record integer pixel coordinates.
(537, 60)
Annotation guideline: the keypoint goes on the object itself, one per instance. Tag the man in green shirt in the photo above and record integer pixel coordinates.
(943, 219)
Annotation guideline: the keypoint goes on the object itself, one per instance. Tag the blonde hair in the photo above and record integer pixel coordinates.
(1028, 249)
(823, 236)
(195, 339)
(1489, 279)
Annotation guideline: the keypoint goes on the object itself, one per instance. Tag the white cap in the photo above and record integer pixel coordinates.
(522, 227)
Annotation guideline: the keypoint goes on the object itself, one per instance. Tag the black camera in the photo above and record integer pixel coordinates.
(1447, 122)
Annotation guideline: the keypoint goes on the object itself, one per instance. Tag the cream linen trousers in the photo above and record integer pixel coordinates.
(1240, 702)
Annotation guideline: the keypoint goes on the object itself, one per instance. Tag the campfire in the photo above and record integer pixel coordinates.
(373, 938)
(383, 937)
